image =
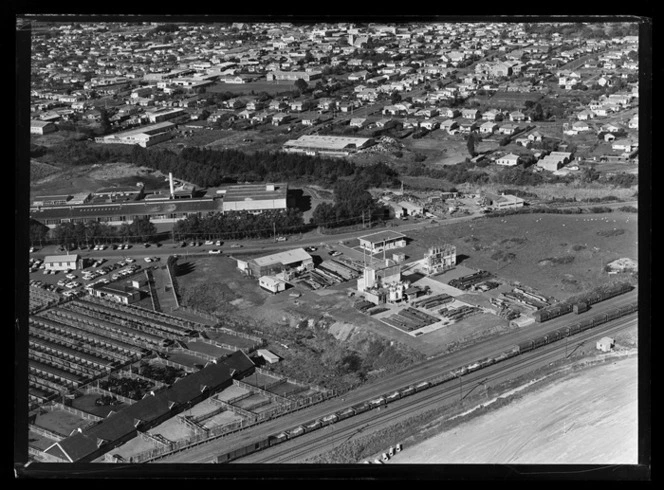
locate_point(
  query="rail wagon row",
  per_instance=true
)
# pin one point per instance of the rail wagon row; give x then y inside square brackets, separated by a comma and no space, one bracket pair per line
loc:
[384,400]
[590,299]
[466,282]
[434,301]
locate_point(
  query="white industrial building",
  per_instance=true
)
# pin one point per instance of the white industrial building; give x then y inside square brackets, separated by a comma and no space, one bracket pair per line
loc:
[272,284]
[327,145]
[60,262]
[144,136]
[255,197]
[382,240]
[273,264]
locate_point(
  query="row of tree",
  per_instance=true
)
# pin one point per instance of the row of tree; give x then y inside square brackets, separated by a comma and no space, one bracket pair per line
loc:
[353,204]
[238,225]
[87,234]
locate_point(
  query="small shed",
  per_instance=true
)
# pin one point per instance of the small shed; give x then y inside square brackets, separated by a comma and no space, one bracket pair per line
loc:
[605,344]
[269,356]
[272,284]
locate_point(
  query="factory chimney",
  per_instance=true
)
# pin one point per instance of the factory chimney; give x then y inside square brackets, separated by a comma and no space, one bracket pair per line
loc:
[170,181]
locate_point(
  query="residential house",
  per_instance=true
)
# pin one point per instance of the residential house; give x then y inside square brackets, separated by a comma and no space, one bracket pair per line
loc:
[509,160]
[470,113]
[585,114]
[358,122]
[509,128]
[448,112]
[281,118]
[491,115]
[488,127]
[277,105]
[384,122]
[580,126]
[430,124]
[410,122]
[517,116]
[634,122]
[449,125]
[262,117]
[246,114]
[299,105]
[327,103]
[535,136]
[360,75]
[466,126]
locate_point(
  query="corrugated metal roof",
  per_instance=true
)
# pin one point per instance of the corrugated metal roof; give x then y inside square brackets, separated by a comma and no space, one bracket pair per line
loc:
[60,258]
[288,257]
[386,235]
[118,425]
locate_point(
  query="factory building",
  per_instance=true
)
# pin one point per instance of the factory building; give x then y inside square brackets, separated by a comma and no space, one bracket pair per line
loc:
[327,145]
[439,259]
[255,197]
[383,240]
[270,265]
[381,282]
[503,201]
[144,136]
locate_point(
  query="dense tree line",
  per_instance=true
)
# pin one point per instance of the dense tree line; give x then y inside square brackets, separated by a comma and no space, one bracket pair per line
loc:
[353,204]
[208,168]
[237,225]
[92,233]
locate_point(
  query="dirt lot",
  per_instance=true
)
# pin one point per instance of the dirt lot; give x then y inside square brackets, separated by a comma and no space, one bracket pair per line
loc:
[89,178]
[588,417]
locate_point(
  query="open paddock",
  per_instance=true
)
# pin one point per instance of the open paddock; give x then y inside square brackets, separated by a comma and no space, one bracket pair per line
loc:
[173,430]
[59,421]
[86,403]
[222,418]
[208,349]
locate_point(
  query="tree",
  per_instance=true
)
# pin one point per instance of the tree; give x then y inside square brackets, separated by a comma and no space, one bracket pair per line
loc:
[301,85]
[470,143]
[143,229]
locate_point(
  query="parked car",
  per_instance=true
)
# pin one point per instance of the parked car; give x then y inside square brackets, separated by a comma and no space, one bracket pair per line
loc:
[209,242]
[214,251]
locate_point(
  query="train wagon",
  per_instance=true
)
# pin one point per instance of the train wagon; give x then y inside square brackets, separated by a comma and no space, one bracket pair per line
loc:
[361,408]
[377,402]
[422,386]
[297,431]
[329,419]
[408,391]
[316,424]
[344,414]
[392,397]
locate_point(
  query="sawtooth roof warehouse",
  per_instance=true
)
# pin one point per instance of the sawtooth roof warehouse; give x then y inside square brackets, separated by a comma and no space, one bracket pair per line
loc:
[246,197]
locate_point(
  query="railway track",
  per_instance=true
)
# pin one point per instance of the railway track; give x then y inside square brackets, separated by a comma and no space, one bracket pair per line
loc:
[302,448]
[430,368]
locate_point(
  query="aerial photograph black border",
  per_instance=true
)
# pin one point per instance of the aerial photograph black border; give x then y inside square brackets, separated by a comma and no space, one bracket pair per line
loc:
[24,13]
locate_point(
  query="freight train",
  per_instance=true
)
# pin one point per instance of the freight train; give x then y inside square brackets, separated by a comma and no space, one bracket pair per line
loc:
[580,307]
[388,398]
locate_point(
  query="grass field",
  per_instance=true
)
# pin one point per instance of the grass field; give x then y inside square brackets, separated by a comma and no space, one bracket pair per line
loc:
[257,87]
[516,248]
